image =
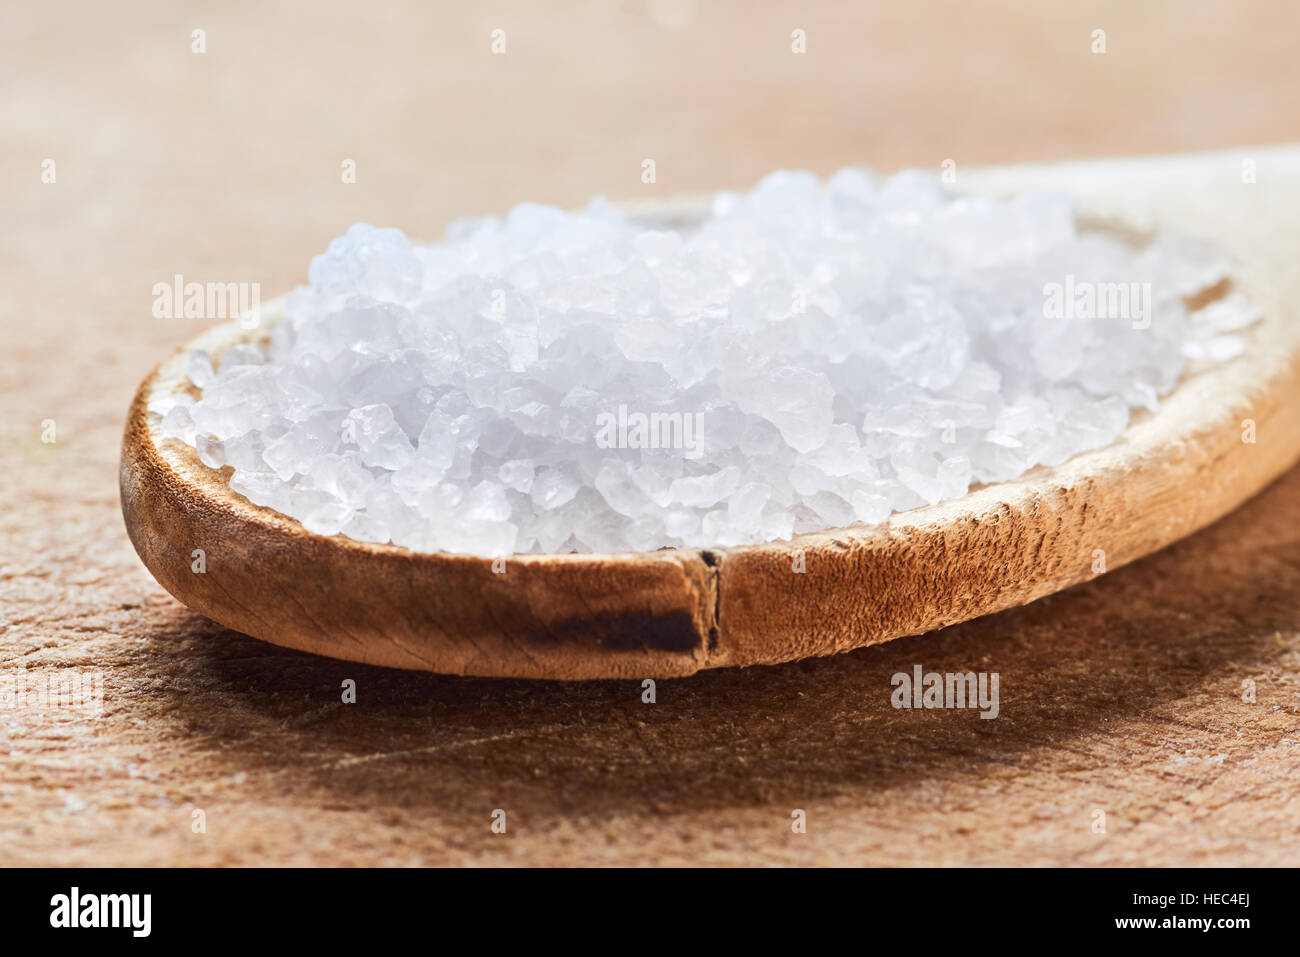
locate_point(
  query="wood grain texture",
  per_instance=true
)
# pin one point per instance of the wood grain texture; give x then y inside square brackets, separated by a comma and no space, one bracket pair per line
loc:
[670,612]
[1123,694]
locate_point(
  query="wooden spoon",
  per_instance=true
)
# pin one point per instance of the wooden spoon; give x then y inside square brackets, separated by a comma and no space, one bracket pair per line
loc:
[674,612]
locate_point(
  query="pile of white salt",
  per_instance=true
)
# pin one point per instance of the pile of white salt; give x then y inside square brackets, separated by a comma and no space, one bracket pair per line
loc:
[807,356]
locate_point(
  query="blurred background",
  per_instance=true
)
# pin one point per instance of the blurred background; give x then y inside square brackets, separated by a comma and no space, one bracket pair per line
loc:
[227,162]
[228,165]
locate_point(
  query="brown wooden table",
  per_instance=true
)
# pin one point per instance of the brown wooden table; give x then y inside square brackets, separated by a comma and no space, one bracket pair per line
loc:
[1123,696]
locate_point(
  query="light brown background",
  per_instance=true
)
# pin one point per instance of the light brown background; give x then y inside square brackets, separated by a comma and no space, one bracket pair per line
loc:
[1123,695]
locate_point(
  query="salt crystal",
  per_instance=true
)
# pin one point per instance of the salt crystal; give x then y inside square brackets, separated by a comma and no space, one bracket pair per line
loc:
[554,487]
[211,452]
[165,403]
[703,491]
[379,438]
[179,424]
[327,518]
[293,453]
[198,368]
[486,502]
[244,354]
[517,474]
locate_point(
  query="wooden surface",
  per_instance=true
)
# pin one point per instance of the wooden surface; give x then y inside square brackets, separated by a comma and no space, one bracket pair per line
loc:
[1124,695]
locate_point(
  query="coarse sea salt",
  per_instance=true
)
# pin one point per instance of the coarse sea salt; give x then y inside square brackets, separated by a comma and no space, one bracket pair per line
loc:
[806,356]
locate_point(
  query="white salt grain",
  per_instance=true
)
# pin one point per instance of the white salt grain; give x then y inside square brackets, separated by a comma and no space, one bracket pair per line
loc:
[808,356]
